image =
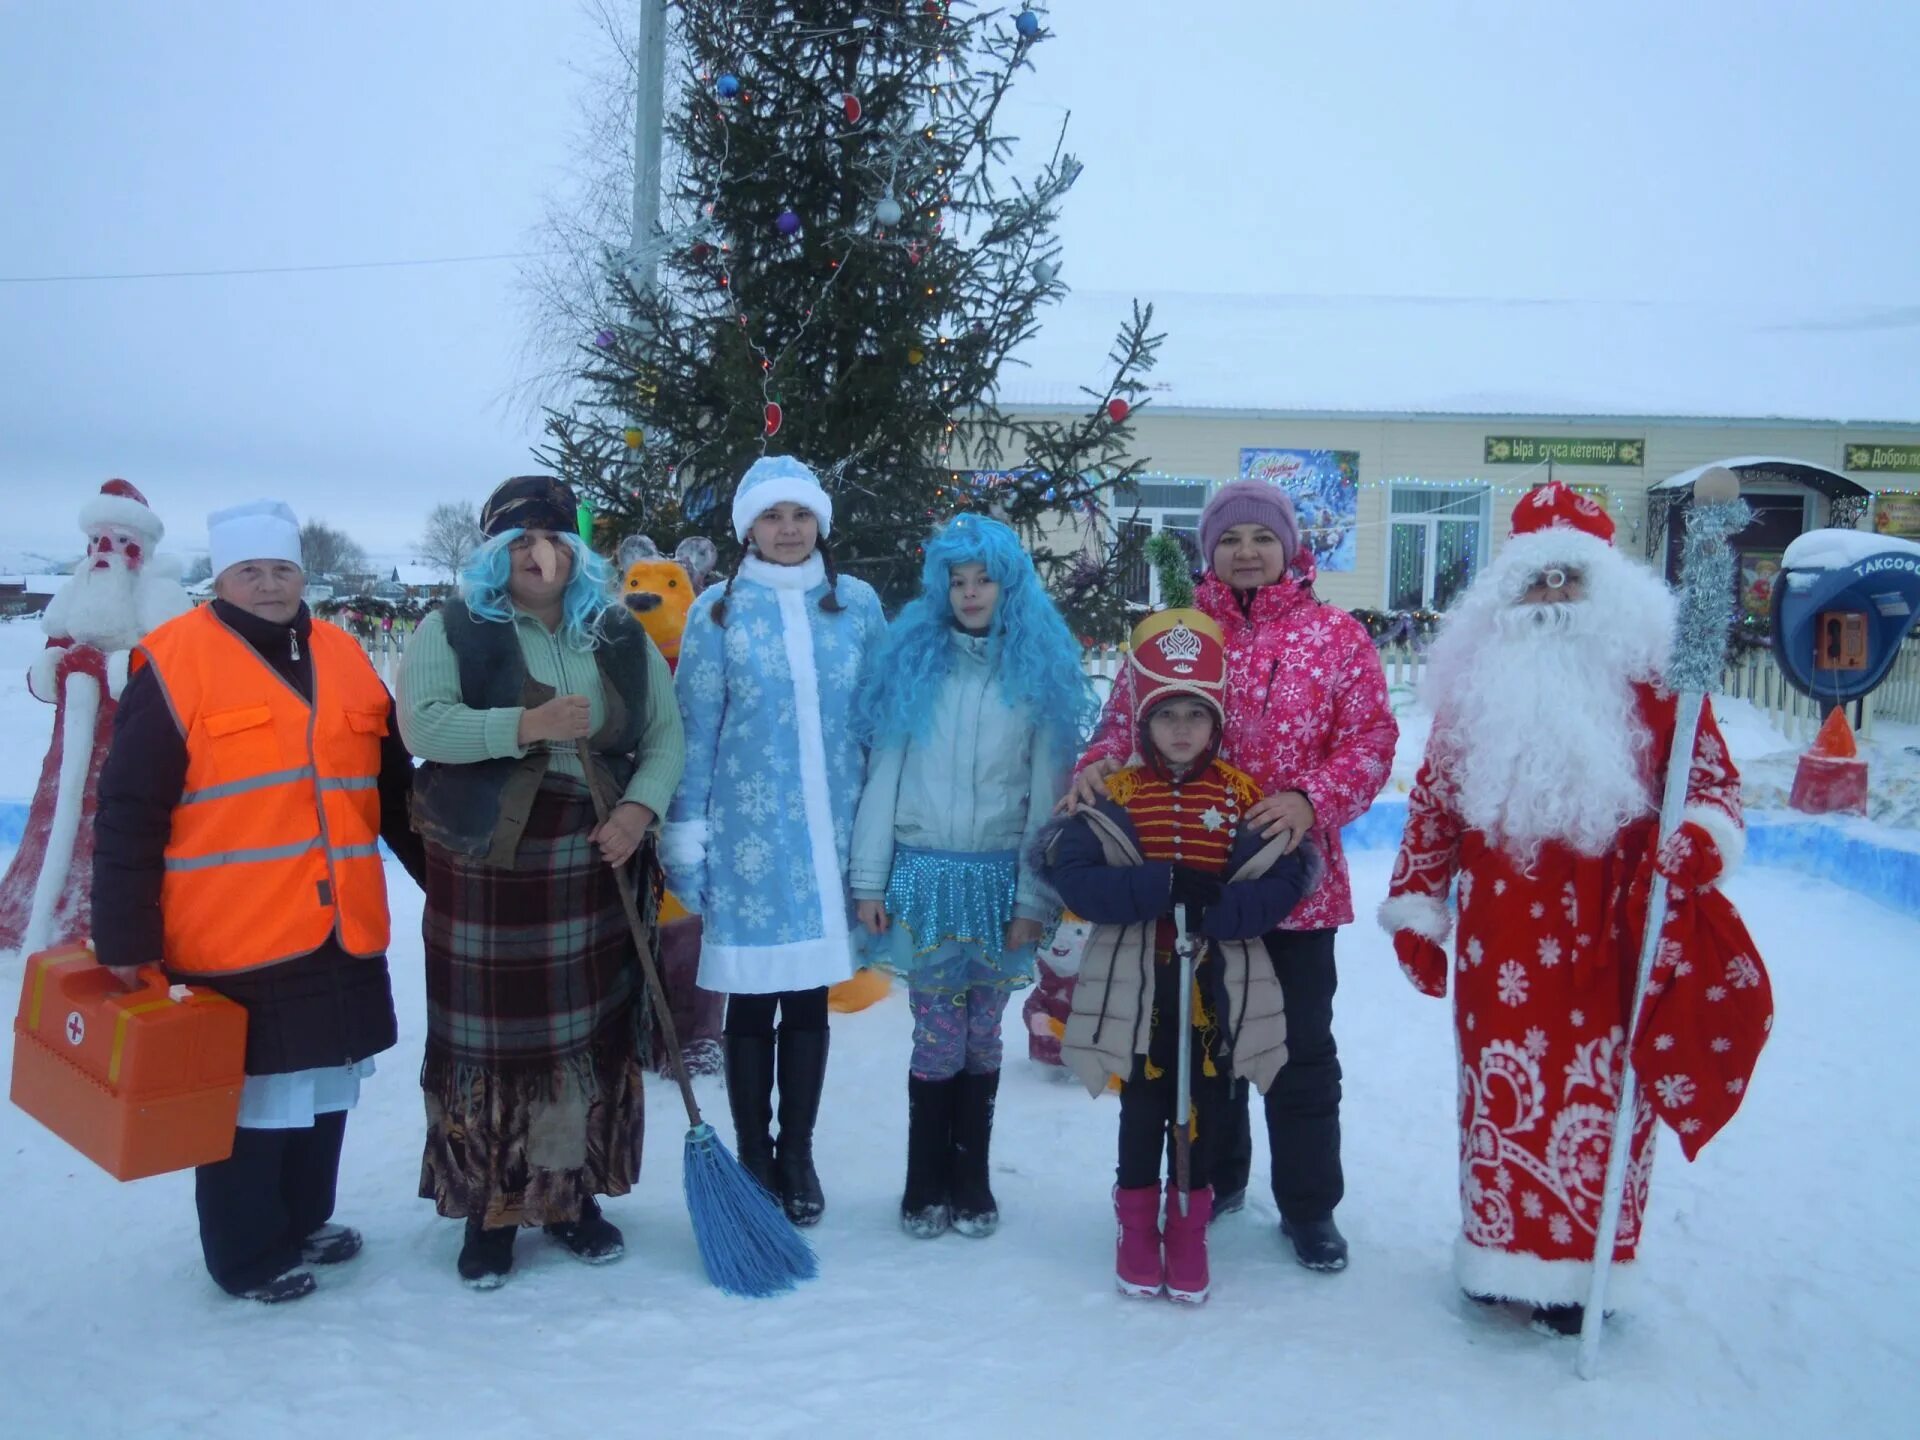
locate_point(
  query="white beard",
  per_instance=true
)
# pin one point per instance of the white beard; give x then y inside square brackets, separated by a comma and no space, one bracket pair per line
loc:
[113,608]
[1545,732]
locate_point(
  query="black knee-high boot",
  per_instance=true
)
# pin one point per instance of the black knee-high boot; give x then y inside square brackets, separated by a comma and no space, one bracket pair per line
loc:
[975,1212]
[801,1061]
[750,1097]
[923,1207]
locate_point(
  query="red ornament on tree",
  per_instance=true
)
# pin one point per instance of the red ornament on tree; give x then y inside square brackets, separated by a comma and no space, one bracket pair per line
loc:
[774,417]
[1118,410]
[852,106]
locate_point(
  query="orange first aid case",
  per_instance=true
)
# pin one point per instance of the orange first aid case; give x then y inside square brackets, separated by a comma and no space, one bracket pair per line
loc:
[139,1081]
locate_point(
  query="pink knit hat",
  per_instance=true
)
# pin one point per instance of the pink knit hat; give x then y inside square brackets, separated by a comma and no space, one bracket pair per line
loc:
[1249,502]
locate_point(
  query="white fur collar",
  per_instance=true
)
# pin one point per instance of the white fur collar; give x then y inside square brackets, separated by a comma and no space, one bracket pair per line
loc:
[808,573]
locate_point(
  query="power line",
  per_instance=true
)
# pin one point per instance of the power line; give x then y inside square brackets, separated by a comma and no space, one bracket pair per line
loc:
[275,269]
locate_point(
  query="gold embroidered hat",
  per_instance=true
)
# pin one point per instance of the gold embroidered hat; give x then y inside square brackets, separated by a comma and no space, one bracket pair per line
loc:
[1178,653]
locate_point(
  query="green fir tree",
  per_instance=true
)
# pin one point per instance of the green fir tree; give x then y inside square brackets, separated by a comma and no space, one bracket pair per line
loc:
[845,264]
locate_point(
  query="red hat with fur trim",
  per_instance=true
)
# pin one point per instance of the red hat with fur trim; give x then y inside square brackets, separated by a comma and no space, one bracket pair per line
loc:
[1554,505]
[120,506]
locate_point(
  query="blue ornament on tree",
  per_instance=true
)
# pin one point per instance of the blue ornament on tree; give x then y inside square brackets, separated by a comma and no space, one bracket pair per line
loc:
[787,223]
[728,87]
[1027,23]
[604,339]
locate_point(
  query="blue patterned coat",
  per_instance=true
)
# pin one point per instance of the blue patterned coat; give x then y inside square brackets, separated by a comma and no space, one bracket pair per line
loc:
[758,835]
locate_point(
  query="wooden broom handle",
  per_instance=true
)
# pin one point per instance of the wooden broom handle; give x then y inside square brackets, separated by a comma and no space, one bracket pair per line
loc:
[623,881]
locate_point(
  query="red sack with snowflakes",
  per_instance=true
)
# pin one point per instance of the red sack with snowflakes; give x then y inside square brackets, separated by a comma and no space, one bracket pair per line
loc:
[1708,1012]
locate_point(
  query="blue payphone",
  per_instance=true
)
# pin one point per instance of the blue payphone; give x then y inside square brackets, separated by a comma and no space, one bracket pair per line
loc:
[1842,603]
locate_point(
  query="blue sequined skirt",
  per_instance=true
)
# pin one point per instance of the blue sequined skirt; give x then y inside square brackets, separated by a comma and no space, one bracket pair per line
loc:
[942,899]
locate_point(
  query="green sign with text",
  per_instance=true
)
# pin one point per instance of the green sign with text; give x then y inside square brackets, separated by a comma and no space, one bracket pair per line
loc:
[1903,458]
[1538,449]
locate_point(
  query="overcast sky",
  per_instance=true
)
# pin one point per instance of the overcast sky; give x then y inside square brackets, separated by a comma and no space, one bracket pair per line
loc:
[1759,153]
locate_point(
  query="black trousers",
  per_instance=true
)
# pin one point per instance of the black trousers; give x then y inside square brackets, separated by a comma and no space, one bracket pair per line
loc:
[258,1204]
[1146,1124]
[798,1010]
[1303,1107]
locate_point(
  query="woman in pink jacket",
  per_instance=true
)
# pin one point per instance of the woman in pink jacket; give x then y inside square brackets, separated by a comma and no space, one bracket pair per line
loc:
[1308,719]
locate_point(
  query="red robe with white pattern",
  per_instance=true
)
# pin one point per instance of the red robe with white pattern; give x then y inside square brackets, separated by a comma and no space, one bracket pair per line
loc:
[1543,978]
[1307,710]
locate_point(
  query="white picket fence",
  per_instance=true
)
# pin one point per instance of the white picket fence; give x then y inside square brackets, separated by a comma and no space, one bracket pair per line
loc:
[1755,677]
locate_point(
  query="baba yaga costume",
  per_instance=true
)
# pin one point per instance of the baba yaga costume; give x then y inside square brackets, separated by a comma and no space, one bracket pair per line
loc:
[973,735]
[1537,808]
[1164,837]
[758,837]
[532,1074]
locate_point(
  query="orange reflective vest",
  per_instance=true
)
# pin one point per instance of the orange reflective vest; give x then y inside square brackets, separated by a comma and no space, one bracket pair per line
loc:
[275,839]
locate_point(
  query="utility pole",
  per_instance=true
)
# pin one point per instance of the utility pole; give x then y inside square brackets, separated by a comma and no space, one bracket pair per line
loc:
[649,112]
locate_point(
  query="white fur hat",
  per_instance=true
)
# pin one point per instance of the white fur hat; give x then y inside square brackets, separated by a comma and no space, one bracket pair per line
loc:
[257,530]
[773,480]
[119,506]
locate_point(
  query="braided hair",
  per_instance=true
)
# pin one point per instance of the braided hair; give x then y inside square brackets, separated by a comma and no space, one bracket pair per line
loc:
[830,602]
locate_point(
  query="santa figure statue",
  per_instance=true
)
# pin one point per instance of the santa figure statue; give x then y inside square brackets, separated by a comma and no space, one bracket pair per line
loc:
[1537,806]
[115,595]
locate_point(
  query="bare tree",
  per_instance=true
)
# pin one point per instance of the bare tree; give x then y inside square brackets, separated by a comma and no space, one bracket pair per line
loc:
[327,551]
[197,569]
[452,535]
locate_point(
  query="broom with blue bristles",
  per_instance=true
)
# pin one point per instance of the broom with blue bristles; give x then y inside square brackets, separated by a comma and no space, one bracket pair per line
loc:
[747,1244]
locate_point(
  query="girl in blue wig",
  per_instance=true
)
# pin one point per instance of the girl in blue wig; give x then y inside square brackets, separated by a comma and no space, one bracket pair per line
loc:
[975,710]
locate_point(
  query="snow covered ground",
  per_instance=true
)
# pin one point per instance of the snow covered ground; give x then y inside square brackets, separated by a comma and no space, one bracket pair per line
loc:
[1779,1295]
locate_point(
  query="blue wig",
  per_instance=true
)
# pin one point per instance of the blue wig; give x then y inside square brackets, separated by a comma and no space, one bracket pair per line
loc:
[584,603]
[1036,657]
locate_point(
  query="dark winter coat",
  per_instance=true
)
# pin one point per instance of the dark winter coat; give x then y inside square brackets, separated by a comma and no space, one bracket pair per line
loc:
[323,1008]
[479,809]
[1093,861]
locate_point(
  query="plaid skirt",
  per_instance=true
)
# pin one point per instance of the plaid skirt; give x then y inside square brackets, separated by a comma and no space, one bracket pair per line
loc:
[532,1075]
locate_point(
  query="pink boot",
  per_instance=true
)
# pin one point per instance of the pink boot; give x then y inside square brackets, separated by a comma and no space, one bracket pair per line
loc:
[1187,1277]
[1136,1260]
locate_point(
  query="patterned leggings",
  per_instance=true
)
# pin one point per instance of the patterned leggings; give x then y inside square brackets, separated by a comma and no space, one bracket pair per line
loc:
[952,1033]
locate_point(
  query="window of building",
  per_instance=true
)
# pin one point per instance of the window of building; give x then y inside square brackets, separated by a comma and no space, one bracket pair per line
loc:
[1169,504]
[1436,543]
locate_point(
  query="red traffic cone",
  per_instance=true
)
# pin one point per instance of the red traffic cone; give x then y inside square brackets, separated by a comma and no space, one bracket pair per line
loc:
[1831,778]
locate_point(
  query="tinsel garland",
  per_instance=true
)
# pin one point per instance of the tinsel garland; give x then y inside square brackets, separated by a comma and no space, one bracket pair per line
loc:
[1706,596]
[1169,561]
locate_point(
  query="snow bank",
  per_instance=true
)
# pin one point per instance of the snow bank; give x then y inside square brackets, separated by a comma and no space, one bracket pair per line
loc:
[1742,1329]
[1837,549]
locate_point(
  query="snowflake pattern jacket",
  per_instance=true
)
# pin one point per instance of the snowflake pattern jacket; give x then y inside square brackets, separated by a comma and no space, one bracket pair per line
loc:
[1306,710]
[757,839]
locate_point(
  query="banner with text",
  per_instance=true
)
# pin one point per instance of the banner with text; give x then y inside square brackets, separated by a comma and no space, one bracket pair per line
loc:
[1538,449]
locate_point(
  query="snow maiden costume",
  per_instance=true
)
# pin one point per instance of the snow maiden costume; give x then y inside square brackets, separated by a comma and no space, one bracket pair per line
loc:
[973,735]
[1162,838]
[1539,796]
[758,836]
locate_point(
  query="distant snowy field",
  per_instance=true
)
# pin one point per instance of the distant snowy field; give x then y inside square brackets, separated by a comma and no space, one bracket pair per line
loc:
[1779,1296]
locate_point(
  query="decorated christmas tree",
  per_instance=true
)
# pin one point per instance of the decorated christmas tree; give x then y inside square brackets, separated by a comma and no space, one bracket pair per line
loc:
[845,262]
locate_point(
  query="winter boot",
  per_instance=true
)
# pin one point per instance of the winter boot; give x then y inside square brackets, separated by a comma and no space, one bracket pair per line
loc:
[290,1284]
[749,1064]
[1317,1244]
[1559,1320]
[923,1208]
[1188,1278]
[974,1210]
[486,1256]
[330,1245]
[802,1066]
[592,1238]
[1136,1262]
